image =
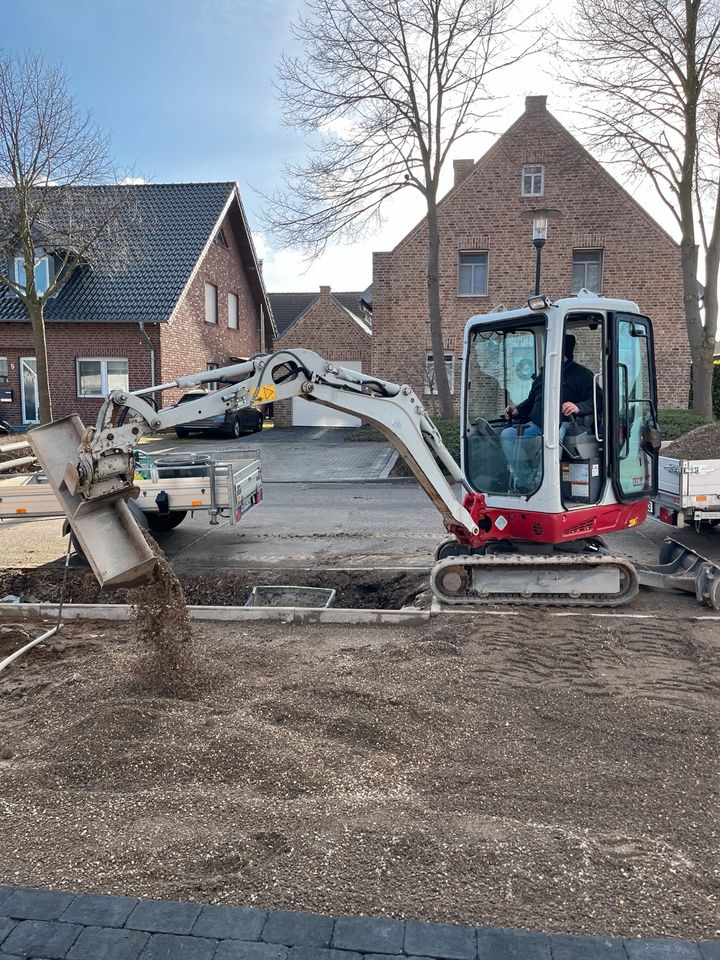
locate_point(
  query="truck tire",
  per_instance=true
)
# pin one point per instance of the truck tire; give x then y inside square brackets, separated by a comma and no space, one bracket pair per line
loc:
[162,522]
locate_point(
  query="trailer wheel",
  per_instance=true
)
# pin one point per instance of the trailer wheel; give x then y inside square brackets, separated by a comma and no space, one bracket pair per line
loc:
[161,522]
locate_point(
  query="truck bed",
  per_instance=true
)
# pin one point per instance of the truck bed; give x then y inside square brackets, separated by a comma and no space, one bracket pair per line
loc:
[688,488]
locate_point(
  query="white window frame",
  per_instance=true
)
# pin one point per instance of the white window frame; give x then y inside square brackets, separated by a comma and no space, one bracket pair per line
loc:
[233,298]
[103,361]
[532,170]
[430,388]
[579,251]
[4,377]
[40,261]
[208,288]
[473,253]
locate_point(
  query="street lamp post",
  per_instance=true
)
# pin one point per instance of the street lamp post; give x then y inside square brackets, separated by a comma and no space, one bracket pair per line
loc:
[539,234]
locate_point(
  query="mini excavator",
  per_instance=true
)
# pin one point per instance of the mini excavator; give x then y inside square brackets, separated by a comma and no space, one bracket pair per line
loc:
[538,498]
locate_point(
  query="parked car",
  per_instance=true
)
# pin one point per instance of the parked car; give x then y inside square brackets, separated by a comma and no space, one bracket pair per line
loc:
[231,423]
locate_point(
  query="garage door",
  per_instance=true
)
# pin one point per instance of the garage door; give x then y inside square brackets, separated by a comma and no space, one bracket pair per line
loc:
[307,414]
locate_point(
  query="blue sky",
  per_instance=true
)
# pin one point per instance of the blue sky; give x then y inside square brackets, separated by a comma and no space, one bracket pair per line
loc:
[184,87]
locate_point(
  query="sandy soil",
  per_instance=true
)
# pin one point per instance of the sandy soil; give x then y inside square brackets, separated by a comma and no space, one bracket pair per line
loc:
[551,773]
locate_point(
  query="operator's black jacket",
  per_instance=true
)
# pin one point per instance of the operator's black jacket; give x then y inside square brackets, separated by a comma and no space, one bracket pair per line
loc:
[577,386]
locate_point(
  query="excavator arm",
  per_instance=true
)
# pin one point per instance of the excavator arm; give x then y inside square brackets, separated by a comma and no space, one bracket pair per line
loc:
[91,469]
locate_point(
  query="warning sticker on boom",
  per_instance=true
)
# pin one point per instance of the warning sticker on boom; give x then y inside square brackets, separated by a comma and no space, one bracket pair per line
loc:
[264,394]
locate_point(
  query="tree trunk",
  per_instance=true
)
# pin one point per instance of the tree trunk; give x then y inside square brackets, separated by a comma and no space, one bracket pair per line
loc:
[433,299]
[37,320]
[701,355]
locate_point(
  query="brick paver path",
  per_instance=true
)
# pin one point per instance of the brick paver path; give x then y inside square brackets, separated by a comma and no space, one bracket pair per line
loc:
[54,925]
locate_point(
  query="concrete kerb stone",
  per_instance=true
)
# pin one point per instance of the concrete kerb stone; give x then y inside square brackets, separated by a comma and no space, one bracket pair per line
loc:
[299,615]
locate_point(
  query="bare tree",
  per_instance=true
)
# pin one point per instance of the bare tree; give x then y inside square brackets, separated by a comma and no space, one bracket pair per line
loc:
[51,221]
[390,86]
[648,74]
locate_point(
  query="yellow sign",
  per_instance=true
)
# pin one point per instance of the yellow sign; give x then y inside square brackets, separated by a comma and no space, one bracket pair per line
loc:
[264,395]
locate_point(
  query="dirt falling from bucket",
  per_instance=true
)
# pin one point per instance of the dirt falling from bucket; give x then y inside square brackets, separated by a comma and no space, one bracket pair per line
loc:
[164,629]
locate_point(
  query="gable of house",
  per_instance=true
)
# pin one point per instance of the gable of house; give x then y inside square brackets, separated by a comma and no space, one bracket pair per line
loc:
[483,219]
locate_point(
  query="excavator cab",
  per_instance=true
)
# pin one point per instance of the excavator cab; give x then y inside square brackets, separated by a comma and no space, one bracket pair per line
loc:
[560,416]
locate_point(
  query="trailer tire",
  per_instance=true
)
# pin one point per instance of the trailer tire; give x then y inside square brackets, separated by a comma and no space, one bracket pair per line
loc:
[162,522]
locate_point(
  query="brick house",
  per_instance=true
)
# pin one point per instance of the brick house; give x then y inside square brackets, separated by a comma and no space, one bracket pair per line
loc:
[335,325]
[193,298]
[603,240]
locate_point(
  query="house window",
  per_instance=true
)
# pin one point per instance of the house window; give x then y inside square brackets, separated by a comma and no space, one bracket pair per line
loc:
[533,180]
[42,274]
[3,370]
[587,270]
[473,275]
[232,311]
[212,384]
[220,238]
[211,303]
[98,377]
[430,384]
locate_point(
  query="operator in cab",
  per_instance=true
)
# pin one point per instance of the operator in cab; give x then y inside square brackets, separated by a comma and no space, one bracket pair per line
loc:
[576,399]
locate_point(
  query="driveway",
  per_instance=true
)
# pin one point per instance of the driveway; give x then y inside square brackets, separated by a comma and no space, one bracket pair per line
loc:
[293,454]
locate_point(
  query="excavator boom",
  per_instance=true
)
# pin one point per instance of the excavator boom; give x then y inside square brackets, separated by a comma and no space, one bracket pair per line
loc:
[91,469]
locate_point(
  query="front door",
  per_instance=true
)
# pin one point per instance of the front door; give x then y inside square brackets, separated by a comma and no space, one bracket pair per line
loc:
[29,390]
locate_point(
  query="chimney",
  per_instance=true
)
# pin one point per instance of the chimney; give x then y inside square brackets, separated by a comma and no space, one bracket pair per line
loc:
[461,168]
[535,104]
[324,291]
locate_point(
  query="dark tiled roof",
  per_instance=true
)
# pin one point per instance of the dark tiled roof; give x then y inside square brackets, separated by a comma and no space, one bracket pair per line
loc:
[173,227]
[287,307]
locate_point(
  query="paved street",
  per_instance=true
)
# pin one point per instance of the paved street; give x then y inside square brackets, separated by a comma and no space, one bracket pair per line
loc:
[53,925]
[292,454]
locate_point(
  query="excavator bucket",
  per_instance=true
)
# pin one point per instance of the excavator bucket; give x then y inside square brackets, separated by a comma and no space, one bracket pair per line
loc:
[111,540]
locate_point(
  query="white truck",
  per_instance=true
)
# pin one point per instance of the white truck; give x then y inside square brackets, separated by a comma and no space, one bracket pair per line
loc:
[170,486]
[688,492]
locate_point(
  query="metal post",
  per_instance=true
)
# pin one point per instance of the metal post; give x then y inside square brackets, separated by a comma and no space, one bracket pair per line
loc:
[539,244]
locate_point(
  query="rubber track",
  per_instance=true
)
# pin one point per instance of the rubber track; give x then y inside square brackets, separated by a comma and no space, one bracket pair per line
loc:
[465,566]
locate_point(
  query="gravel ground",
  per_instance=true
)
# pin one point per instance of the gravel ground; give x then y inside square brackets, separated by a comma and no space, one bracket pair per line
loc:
[703,443]
[549,773]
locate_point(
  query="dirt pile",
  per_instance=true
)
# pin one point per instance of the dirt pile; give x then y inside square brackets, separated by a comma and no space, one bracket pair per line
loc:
[163,627]
[702,443]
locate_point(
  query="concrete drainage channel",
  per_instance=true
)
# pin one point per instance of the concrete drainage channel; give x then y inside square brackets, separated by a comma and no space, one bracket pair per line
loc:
[336,595]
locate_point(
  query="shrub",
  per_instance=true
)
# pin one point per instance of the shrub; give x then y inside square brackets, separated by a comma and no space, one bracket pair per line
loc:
[675,423]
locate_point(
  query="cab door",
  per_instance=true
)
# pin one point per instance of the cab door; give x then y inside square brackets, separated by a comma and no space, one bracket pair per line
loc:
[634,439]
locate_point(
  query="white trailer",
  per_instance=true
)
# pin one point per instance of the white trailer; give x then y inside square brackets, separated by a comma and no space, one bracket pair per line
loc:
[688,492]
[170,487]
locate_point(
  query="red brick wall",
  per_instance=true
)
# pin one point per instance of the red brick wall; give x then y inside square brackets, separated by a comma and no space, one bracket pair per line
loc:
[326,328]
[641,262]
[188,343]
[66,342]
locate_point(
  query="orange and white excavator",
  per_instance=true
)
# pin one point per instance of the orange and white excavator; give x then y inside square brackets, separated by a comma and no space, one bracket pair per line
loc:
[541,487]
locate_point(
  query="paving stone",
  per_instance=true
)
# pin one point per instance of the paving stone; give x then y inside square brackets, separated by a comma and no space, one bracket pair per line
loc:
[166,946]
[108,943]
[236,923]
[40,938]
[4,894]
[163,916]
[440,940]
[710,949]
[6,925]
[499,944]
[567,947]
[662,949]
[367,934]
[251,950]
[36,904]
[321,953]
[301,929]
[93,910]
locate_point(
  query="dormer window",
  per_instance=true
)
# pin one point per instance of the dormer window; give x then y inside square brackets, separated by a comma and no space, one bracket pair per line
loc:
[533,180]
[42,273]
[221,239]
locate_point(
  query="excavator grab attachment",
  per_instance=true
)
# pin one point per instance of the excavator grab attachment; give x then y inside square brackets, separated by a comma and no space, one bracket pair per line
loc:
[104,528]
